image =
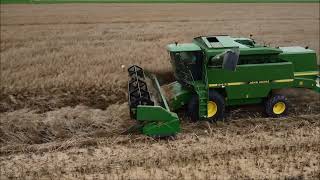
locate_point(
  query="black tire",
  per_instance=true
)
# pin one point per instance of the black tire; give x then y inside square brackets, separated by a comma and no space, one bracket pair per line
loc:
[220,103]
[271,102]
[193,108]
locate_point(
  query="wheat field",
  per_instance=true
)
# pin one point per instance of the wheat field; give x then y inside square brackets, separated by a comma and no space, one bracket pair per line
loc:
[63,101]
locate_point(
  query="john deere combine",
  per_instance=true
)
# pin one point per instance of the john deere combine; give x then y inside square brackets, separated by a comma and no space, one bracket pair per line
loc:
[213,72]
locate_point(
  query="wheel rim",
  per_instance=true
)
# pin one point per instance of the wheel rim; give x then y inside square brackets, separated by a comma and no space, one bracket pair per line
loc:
[212,108]
[279,108]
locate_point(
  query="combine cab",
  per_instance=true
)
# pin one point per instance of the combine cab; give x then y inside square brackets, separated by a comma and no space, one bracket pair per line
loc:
[214,72]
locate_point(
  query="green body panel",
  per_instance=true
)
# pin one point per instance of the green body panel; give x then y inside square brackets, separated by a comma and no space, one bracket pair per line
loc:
[162,129]
[154,113]
[251,81]
[302,59]
[251,72]
[248,91]
[157,121]
[310,82]
[234,102]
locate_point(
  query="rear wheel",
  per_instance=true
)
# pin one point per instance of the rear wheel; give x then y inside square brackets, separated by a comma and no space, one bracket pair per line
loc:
[216,106]
[276,106]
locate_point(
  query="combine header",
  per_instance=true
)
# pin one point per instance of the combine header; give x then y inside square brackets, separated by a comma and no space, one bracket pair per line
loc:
[213,72]
[153,114]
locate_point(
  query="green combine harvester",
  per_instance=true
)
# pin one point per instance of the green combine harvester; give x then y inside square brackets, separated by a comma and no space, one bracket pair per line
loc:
[213,72]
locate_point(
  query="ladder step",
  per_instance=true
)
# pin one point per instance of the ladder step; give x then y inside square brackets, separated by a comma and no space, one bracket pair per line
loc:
[203,98]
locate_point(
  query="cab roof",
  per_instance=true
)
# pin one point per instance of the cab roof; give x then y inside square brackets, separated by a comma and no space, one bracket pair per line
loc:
[219,41]
[183,47]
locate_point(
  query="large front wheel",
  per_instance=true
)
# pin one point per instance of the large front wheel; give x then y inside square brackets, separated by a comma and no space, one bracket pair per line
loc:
[216,106]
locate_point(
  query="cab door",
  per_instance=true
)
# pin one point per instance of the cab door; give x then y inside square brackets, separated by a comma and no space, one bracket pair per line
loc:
[194,61]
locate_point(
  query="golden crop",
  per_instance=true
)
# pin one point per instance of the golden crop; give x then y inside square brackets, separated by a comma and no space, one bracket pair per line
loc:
[64,86]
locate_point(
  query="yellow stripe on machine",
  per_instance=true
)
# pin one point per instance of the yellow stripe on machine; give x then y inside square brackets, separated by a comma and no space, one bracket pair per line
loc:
[227,84]
[214,85]
[306,73]
[283,80]
[252,82]
[235,83]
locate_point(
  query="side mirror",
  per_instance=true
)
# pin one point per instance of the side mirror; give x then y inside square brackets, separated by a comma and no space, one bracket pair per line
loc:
[230,59]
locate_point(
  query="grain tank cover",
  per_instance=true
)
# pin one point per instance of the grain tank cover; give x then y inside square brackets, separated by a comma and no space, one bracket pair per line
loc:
[221,41]
[296,49]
